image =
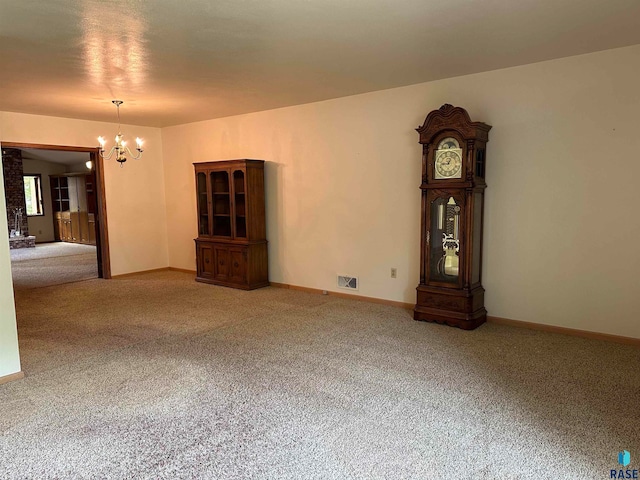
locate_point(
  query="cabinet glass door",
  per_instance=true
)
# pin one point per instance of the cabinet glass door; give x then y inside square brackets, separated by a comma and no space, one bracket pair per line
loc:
[444,240]
[60,194]
[221,197]
[240,204]
[203,204]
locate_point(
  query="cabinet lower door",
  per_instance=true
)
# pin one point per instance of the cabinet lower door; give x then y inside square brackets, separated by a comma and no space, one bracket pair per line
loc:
[221,255]
[66,230]
[237,267]
[83,227]
[92,229]
[232,265]
[57,229]
[205,261]
[75,227]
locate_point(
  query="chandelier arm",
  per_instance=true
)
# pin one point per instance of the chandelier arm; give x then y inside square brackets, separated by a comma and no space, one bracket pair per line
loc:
[112,150]
[135,156]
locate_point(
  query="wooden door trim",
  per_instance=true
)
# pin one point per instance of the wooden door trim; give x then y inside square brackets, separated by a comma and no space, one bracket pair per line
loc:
[39,146]
[102,235]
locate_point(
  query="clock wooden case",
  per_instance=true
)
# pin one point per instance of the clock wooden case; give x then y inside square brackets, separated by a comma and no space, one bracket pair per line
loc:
[231,248]
[453,184]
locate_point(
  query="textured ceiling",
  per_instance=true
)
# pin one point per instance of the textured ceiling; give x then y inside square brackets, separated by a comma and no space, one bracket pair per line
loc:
[55,156]
[176,62]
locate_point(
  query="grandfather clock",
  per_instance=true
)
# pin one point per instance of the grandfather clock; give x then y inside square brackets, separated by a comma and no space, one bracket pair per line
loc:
[453,169]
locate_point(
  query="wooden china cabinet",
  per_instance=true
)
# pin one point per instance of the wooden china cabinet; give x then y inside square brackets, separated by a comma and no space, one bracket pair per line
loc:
[74,207]
[231,248]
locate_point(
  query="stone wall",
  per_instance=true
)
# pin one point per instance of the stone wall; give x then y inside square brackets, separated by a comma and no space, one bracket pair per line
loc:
[14,188]
[22,242]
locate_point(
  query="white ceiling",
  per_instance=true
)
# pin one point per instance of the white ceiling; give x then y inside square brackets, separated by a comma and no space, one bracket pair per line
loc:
[55,156]
[176,62]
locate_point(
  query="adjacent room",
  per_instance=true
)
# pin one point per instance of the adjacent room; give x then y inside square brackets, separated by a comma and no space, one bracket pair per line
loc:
[319,239]
[51,205]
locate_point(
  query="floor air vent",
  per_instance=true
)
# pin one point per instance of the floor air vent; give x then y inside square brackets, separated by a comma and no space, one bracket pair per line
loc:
[347,282]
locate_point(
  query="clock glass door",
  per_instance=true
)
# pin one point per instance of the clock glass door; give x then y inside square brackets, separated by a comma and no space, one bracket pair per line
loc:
[444,239]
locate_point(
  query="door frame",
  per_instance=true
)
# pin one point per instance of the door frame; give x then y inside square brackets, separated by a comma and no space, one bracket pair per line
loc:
[102,234]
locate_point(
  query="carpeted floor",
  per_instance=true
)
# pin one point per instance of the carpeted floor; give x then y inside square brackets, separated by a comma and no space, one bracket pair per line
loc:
[157,376]
[50,250]
[52,264]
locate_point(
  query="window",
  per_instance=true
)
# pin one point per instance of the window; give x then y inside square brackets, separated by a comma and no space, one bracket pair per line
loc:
[33,194]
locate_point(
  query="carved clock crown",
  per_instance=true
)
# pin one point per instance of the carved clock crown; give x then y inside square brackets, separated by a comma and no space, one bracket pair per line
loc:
[455,118]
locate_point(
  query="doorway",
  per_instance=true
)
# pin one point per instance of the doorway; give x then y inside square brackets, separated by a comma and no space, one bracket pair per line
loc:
[63,210]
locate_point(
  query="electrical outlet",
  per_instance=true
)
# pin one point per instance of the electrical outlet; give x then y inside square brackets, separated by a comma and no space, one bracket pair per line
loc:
[394,273]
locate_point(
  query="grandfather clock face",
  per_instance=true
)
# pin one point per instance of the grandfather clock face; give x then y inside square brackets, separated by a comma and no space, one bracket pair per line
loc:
[447,159]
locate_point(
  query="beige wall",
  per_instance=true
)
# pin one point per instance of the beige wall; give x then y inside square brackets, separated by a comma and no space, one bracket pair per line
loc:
[42,226]
[561,242]
[561,238]
[134,193]
[9,356]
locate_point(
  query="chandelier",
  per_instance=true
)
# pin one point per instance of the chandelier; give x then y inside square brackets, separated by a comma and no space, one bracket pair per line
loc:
[120,149]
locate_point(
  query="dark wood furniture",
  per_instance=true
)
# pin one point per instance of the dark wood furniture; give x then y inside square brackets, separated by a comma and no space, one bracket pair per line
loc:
[73,200]
[231,248]
[453,184]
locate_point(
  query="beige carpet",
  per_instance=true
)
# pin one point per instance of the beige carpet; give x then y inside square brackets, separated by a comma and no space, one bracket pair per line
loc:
[52,264]
[49,250]
[157,376]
